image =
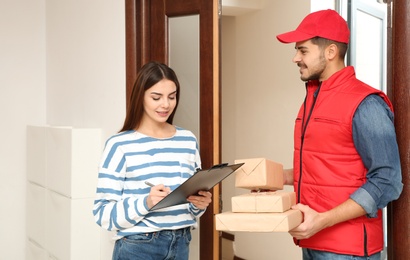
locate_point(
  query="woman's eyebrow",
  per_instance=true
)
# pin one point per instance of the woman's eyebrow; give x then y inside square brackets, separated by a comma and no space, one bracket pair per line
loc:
[160,94]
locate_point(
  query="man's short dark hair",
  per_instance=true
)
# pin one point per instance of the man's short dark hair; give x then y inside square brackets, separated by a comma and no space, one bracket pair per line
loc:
[323,43]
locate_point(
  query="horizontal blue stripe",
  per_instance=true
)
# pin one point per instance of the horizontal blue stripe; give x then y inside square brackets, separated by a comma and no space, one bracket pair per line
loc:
[154,175]
[142,191]
[109,191]
[147,165]
[109,176]
[155,151]
[168,213]
[180,223]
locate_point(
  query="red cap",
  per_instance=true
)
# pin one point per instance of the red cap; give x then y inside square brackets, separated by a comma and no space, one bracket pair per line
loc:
[327,24]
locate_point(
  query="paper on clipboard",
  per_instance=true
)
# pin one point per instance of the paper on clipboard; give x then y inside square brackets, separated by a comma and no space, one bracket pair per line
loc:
[202,180]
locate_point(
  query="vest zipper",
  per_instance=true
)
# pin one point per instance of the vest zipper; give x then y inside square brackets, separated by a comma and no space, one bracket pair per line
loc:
[302,138]
[304,126]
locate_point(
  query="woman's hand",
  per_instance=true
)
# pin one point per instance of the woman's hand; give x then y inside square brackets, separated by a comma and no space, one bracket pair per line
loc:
[156,194]
[202,200]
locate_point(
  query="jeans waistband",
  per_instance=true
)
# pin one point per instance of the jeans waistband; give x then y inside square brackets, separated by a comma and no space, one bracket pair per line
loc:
[176,231]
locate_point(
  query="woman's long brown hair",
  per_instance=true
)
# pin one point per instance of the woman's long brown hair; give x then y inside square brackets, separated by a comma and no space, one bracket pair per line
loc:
[149,75]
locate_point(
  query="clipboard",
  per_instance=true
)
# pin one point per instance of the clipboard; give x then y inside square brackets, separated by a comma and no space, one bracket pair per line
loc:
[201,180]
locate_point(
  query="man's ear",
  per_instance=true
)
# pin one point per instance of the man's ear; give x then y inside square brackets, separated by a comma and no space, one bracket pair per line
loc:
[331,51]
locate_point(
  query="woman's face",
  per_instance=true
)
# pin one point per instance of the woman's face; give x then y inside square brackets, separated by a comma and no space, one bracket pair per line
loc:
[160,101]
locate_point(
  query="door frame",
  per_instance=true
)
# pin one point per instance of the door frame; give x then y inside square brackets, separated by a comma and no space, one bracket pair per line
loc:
[144,43]
[398,90]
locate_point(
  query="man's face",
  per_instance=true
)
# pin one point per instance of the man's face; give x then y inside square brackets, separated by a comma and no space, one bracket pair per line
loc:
[311,61]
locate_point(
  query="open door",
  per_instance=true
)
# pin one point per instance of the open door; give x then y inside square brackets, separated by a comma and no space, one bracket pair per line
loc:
[148,38]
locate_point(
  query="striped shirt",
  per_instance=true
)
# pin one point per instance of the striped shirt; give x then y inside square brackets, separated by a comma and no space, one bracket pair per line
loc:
[130,158]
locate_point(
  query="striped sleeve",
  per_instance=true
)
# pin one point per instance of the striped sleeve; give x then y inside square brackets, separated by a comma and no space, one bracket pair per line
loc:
[111,211]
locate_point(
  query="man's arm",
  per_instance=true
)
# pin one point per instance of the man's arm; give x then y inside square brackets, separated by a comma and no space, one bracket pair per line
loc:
[288,176]
[375,140]
[314,222]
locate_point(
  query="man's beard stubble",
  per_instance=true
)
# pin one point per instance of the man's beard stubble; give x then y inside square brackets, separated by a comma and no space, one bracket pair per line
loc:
[316,71]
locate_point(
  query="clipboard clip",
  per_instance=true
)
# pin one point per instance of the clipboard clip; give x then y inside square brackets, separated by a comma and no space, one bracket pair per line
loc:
[221,165]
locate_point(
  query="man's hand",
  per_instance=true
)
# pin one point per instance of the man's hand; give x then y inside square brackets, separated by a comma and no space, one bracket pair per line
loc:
[312,223]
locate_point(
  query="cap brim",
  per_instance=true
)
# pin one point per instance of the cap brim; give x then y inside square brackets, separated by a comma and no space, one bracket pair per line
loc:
[293,36]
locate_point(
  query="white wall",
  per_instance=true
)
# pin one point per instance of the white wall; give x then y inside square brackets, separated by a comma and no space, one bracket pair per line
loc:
[86,63]
[62,63]
[261,94]
[22,102]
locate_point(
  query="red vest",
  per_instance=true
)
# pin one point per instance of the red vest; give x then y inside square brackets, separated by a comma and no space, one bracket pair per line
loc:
[327,167]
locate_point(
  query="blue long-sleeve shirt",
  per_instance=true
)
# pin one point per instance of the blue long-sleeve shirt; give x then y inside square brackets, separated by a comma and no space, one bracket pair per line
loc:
[375,140]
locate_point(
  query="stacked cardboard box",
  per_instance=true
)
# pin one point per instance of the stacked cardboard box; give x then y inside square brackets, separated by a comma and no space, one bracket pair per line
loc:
[267,208]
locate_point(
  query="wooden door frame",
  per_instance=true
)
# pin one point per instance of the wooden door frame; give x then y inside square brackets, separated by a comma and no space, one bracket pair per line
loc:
[143,45]
[398,78]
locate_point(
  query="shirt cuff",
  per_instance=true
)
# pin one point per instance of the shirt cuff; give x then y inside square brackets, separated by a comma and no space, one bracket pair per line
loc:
[142,206]
[363,198]
[196,211]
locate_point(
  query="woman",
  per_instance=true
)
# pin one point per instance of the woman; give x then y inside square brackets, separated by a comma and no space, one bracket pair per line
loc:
[149,148]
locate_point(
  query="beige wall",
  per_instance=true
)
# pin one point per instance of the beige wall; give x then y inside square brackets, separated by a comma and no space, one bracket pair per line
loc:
[261,93]
[62,63]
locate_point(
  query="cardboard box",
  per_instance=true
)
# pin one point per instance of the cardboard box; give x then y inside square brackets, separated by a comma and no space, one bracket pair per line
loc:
[279,201]
[259,173]
[258,222]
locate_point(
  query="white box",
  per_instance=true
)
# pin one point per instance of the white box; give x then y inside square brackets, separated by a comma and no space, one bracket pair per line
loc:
[36,154]
[71,231]
[36,214]
[72,161]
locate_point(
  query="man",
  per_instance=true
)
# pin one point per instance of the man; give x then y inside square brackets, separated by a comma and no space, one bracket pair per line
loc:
[346,162]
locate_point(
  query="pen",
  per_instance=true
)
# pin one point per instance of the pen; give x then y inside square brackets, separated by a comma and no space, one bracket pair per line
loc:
[149,184]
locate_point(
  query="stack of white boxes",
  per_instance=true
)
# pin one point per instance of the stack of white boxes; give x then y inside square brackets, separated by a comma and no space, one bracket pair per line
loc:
[267,208]
[62,166]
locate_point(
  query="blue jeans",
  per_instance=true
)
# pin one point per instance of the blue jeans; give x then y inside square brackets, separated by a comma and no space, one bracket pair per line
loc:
[309,254]
[166,244]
